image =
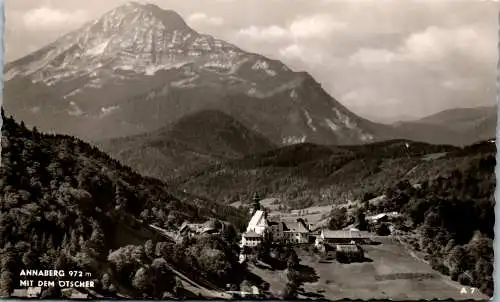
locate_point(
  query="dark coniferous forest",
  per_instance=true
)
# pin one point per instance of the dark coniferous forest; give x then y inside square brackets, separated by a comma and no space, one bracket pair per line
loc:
[452,216]
[66,205]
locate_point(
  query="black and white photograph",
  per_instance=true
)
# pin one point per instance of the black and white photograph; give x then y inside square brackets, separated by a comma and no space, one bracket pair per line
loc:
[248,149]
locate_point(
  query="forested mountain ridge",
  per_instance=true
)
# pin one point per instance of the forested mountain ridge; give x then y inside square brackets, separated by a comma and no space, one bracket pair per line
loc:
[195,141]
[62,200]
[308,174]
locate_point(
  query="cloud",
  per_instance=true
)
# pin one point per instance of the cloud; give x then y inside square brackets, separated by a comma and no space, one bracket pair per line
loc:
[203,19]
[292,51]
[435,44]
[317,26]
[301,53]
[461,84]
[432,45]
[48,18]
[264,33]
[371,56]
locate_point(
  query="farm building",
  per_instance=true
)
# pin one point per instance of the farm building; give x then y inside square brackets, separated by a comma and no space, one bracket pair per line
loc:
[383,217]
[339,237]
[289,231]
[192,229]
[348,252]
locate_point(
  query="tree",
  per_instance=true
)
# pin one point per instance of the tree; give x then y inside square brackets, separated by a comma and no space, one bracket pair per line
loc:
[149,248]
[141,280]
[457,259]
[361,220]
[106,281]
[368,196]
[96,246]
[178,288]
[162,276]
[480,246]
[290,291]
[29,258]
[292,276]
[51,293]
[338,218]
[383,229]
[229,234]
[293,261]
[6,283]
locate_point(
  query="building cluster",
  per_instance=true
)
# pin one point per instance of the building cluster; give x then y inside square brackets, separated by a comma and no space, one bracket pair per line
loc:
[194,229]
[261,228]
[345,243]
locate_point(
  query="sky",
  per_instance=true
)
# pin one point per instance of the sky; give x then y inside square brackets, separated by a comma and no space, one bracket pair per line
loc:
[386,60]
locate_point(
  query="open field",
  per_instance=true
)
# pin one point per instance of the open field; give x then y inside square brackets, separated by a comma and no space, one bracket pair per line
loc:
[392,273]
[276,278]
[312,215]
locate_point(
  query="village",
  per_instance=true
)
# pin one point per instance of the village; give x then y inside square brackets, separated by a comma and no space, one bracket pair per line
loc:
[345,244]
[352,261]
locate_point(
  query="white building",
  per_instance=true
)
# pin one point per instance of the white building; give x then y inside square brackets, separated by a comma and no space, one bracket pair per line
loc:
[382,216]
[256,229]
[251,239]
[258,223]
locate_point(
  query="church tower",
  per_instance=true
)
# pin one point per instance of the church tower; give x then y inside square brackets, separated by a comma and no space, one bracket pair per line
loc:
[255,204]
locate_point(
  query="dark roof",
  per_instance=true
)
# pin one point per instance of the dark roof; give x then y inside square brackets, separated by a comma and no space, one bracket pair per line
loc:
[251,234]
[296,226]
[342,234]
[212,224]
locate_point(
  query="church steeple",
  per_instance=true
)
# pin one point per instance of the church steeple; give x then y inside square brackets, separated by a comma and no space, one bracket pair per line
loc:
[255,203]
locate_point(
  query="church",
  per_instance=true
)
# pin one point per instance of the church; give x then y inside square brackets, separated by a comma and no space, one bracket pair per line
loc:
[259,227]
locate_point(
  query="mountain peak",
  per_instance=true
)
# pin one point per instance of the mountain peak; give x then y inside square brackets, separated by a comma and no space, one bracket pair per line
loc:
[133,36]
[139,12]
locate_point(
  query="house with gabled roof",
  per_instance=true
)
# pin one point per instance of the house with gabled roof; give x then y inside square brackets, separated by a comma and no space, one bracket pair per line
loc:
[251,239]
[339,237]
[296,231]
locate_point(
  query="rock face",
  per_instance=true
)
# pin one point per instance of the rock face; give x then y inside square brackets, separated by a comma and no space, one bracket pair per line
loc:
[139,67]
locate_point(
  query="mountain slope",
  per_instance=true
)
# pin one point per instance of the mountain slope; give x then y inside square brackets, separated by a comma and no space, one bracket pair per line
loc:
[460,126]
[193,142]
[138,67]
[306,174]
[65,204]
